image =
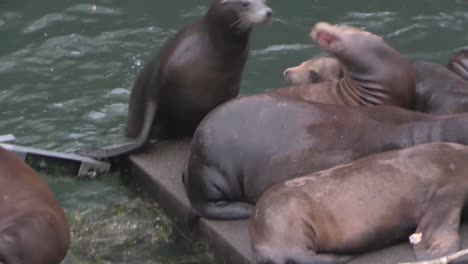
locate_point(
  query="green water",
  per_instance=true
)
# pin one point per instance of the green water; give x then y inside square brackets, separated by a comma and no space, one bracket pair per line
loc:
[66,73]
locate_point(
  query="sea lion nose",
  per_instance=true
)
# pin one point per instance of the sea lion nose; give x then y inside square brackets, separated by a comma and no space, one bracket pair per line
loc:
[286,72]
[269,13]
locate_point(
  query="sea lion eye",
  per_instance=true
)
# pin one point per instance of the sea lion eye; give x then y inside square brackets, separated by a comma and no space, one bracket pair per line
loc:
[245,4]
[313,76]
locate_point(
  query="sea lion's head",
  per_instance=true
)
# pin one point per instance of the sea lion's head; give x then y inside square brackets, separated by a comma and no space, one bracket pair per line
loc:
[315,70]
[352,46]
[245,14]
[459,63]
[335,38]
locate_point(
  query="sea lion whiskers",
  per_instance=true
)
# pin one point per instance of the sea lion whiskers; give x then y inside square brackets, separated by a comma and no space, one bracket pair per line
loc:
[250,18]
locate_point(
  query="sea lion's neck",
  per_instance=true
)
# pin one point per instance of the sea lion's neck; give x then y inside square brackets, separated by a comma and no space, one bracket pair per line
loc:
[356,89]
[222,29]
[381,76]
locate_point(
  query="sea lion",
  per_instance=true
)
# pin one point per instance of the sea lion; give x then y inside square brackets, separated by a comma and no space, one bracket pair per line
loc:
[459,63]
[374,73]
[315,70]
[438,90]
[33,226]
[368,204]
[238,139]
[198,69]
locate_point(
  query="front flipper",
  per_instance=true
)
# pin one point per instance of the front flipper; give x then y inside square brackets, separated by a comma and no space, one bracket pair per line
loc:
[439,228]
[128,147]
[225,210]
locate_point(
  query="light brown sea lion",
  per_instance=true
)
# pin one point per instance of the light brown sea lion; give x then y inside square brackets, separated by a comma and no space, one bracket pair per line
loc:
[198,69]
[438,90]
[370,203]
[315,70]
[373,73]
[33,226]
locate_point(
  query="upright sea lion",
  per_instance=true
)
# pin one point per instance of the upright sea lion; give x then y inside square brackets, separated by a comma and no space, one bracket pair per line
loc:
[438,90]
[198,69]
[33,226]
[459,63]
[374,73]
[237,140]
[368,204]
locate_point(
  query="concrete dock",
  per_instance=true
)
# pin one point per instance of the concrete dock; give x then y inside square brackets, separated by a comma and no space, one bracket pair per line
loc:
[158,172]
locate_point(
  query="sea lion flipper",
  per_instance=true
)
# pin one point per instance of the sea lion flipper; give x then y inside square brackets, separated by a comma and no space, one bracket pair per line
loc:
[228,210]
[438,231]
[110,151]
[128,147]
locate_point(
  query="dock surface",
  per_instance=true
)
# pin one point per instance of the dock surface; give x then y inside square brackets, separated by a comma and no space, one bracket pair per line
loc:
[158,171]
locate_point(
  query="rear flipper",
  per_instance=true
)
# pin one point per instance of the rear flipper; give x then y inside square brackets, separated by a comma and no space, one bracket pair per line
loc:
[225,210]
[125,148]
[439,229]
[111,151]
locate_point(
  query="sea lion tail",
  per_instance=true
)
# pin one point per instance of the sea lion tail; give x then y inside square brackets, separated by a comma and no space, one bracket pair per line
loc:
[128,147]
[111,151]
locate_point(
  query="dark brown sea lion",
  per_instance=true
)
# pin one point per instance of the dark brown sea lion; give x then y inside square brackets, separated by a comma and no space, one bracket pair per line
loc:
[238,139]
[33,226]
[438,90]
[459,63]
[198,69]
[374,73]
[368,204]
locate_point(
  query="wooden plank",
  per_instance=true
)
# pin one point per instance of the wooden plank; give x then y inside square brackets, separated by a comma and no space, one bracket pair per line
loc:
[159,171]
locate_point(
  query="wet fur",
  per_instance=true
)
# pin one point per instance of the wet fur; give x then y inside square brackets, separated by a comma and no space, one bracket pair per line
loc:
[358,207]
[171,95]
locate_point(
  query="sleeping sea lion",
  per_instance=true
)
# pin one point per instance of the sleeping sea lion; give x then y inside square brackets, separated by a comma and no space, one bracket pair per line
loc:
[373,73]
[438,90]
[239,139]
[373,202]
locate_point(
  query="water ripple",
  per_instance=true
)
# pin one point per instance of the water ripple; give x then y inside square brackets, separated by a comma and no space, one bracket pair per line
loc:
[94,9]
[360,15]
[197,11]
[48,20]
[398,32]
[281,48]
